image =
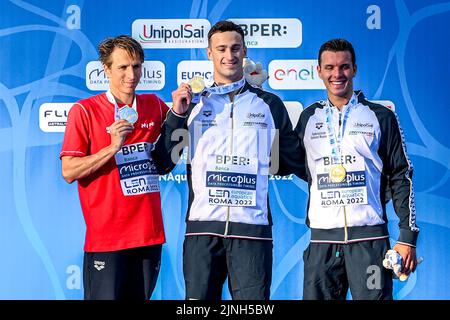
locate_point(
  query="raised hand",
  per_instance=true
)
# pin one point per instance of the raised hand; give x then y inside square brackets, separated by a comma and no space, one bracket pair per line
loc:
[181,98]
[119,131]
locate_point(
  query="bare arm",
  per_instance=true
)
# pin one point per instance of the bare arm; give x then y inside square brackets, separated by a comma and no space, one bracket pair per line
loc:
[74,168]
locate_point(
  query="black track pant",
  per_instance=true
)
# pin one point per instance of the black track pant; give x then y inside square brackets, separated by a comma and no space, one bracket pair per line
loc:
[208,260]
[129,274]
[330,269]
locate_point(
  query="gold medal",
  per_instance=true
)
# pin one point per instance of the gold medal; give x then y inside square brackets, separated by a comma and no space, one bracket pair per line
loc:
[197,84]
[337,173]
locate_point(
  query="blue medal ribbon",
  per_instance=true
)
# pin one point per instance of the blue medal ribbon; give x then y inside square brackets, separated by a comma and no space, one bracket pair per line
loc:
[335,142]
[227,88]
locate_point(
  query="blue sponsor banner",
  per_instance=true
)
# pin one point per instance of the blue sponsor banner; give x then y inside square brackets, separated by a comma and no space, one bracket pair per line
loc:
[136,168]
[216,179]
[352,179]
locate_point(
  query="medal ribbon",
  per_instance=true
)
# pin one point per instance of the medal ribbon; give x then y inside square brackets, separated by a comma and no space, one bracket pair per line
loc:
[226,88]
[335,142]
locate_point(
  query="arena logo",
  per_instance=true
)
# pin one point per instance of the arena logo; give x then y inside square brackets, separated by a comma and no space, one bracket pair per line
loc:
[53,116]
[171,33]
[294,74]
[271,33]
[189,68]
[153,76]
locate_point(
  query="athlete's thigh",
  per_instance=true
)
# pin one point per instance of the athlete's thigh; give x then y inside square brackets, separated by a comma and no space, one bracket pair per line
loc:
[367,277]
[324,272]
[249,268]
[151,264]
[104,275]
[143,266]
[204,267]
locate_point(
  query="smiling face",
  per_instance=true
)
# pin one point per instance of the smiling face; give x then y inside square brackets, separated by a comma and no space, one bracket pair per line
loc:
[227,51]
[337,71]
[124,74]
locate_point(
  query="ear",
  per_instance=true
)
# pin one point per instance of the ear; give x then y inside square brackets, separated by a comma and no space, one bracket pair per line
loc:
[355,69]
[209,53]
[245,51]
[107,70]
[319,71]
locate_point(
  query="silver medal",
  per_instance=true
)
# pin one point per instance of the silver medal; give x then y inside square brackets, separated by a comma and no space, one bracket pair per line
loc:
[128,114]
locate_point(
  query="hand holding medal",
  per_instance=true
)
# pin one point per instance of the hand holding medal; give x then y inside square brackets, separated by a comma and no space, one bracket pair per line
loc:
[192,91]
[127,113]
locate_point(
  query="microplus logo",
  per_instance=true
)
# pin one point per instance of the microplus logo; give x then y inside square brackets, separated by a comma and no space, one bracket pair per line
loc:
[189,68]
[171,33]
[153,76]
[271,33]
[53,116]
[96,78]
[294,74]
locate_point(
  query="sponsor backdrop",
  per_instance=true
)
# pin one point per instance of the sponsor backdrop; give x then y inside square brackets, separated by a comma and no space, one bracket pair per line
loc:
[48,56]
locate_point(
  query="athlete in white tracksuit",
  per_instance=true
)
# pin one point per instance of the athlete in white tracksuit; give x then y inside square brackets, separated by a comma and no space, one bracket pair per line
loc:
[356,162]
[233,128]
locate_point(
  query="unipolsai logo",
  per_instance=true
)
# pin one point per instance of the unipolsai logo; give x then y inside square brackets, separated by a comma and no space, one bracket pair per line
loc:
[171,33]
[294,74]
[271,33]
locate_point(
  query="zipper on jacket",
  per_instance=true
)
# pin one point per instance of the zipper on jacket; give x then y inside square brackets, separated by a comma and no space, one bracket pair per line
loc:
[345,226]
[345,211]
[227,221]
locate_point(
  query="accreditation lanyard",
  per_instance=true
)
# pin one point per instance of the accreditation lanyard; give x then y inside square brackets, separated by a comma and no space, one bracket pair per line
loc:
[226,88]
[335,142]
[111,99]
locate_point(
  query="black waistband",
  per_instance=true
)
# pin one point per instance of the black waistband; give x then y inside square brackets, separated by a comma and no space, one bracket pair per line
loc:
[355,234]
[235,229]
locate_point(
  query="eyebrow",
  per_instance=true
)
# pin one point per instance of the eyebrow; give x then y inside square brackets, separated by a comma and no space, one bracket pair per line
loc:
[126,65]
[222,46]
[340,65]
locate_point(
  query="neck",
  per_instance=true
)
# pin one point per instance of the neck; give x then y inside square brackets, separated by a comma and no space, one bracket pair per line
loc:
[223,81]
[339,102]
[123,98]
[231,94]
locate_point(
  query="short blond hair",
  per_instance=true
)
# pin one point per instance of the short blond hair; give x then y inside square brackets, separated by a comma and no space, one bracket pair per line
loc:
[107,46]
